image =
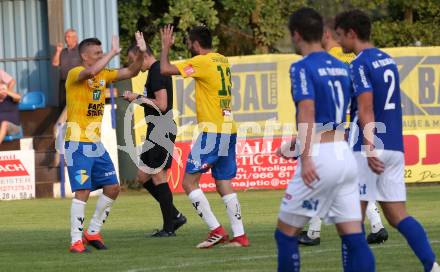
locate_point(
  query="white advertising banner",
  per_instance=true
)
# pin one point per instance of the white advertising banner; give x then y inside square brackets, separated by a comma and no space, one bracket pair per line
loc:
[17,174]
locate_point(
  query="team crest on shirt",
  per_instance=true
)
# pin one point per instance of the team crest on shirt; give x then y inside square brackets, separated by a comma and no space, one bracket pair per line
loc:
[102,83]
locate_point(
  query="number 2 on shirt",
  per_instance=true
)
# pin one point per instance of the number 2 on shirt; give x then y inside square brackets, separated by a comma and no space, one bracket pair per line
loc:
[387,76]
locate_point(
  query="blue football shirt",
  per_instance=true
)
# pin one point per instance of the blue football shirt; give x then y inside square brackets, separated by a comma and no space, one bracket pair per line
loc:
[326,80]
[375,71]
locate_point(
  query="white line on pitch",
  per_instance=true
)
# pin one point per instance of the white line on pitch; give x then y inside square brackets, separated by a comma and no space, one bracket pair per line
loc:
[251,258]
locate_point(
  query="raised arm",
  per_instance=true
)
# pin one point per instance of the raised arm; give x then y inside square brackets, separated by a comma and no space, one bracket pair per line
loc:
[93,70]
[56,56]
[166,68]
[135,67]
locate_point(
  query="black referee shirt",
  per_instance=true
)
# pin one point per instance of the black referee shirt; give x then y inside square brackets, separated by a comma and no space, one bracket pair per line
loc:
[156,82]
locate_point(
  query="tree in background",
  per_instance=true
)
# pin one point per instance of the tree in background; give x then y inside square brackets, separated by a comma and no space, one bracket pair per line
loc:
[130,12]
[260,23]
[242,27]
[149,16]
[408,22]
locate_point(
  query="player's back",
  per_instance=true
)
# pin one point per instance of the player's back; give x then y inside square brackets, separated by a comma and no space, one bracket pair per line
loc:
[326,80]
[374,70]
[213,82]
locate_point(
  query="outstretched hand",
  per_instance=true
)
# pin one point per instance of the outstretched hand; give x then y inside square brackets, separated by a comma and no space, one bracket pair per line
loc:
[130,96]
[140,41]
[115,45]
[167,36]
[60,47]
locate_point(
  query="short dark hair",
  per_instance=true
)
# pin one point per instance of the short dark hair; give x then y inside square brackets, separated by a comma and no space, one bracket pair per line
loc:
[308,23]
[135,49]
[356,20]
[86,43]
[202,35]
[329,25]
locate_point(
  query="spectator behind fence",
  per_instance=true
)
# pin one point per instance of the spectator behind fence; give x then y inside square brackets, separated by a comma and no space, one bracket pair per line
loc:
[66,58]
[9,99]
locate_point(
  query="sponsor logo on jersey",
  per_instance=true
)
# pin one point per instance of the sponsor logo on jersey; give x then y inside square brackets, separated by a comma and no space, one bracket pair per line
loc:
[310,204]
[96,95]
[363,189]
[189,70]
[95,109]
[111,173]
[302,78]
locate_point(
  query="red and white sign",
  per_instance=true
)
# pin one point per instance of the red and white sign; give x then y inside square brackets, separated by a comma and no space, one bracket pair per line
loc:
[257,166]
[17,174]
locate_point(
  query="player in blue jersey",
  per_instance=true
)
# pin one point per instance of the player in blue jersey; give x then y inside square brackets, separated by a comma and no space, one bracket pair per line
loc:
[325,183]
[378,144]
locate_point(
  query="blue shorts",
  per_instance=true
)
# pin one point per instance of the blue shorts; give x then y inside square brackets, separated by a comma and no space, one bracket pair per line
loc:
[215,151]
[89,166]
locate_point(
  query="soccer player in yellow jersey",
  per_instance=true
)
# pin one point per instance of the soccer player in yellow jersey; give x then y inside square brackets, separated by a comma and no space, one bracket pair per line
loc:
[88,163]
[378,233]
[215,147]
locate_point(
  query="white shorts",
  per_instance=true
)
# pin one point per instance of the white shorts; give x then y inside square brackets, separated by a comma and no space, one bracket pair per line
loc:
[335,197]
[388,186]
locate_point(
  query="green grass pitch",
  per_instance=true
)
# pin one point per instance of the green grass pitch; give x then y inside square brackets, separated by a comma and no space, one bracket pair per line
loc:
[34,236]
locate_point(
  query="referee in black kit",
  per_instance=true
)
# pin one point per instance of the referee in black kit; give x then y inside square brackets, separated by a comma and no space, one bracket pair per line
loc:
[159,143]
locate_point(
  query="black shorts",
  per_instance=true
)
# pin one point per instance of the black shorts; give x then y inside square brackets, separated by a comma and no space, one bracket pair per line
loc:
[158,156]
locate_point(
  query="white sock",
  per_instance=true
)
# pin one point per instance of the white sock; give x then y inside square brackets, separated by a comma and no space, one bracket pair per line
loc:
[77,219]
[314,228]
[374,217]
[201,204]
[234,213]
[103,207]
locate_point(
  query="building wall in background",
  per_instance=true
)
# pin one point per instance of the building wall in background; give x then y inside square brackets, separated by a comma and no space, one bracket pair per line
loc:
[93,18]
[24,43]
[27,41]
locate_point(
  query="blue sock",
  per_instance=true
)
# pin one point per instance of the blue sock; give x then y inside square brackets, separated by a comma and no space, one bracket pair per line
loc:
[417,239]
[288,252]
[356,255]
[363,228]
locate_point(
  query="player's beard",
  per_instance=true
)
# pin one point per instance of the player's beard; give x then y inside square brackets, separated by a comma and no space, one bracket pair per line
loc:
[193,51]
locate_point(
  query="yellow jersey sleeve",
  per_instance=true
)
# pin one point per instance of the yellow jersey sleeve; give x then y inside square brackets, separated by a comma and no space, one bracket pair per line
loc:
[110,75]
[192,67]
[73,74]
